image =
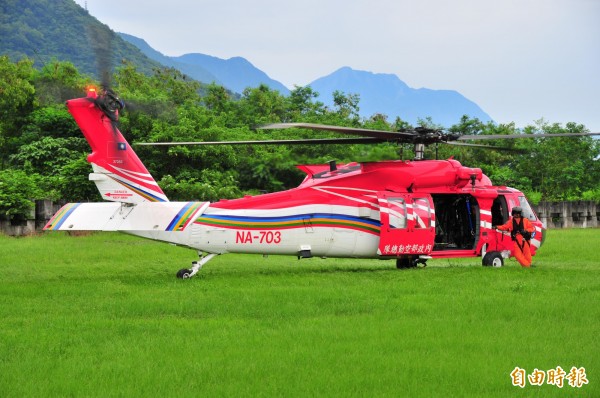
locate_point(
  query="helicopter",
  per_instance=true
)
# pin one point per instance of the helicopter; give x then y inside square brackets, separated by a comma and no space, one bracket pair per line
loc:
[408,211]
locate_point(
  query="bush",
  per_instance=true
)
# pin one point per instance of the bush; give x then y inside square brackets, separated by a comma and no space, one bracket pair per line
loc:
[591,195]
[17,191]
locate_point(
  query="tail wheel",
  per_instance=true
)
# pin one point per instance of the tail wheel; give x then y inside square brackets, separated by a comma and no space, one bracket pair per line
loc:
[493,259]
[184,273]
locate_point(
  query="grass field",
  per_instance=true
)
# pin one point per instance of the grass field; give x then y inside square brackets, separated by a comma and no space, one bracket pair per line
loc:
[104,316]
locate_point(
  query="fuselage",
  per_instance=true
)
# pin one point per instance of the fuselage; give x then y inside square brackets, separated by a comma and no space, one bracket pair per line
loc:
[373,210]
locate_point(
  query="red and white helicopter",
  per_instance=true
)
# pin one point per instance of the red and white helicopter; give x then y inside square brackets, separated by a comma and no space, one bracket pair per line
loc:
[407,211]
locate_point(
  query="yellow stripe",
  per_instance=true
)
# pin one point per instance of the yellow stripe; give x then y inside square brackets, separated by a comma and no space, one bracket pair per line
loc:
[59,216]
[185,216]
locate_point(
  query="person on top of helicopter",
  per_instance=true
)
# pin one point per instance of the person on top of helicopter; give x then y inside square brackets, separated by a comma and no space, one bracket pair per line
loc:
[521,231]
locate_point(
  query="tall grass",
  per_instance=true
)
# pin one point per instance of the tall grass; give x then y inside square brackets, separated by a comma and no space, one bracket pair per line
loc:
[104,315]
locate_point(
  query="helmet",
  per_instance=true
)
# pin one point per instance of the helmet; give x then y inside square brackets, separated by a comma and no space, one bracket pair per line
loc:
[517,210]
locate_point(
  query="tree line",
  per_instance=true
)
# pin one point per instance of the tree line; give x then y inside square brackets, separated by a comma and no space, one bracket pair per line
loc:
[43,154]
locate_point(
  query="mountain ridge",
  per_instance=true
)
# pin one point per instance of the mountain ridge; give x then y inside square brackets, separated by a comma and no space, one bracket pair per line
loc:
[235,73]
[36,29]
[379,93]
[229,70]
[196,72]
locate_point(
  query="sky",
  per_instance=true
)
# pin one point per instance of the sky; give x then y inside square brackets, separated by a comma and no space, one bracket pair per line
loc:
[519,60]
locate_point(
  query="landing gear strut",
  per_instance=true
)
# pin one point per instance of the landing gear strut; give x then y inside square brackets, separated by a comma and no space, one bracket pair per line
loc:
[185,273]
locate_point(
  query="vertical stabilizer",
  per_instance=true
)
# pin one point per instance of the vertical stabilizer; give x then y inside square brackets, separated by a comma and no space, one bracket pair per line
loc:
[118,172]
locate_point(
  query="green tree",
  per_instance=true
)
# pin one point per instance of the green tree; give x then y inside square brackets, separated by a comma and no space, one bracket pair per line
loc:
[347,106]
[166,85]
[206,185]
[260,105]
[303,106]
[18,189]
[16,101]
[53,120]
[61,166]
[59,81]
[176,85]
[561,168]
[48,154]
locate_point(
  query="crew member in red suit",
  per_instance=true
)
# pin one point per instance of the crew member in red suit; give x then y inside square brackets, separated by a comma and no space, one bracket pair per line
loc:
[521,231]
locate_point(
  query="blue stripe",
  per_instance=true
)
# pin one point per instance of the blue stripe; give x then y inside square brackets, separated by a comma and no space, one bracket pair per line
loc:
[178,216]
[292,218]
[64,217]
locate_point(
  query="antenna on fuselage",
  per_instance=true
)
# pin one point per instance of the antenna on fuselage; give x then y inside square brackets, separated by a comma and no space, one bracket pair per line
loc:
[332,165]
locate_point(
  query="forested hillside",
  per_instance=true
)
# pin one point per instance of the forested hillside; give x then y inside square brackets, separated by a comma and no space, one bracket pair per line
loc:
[46,30]
[42,152]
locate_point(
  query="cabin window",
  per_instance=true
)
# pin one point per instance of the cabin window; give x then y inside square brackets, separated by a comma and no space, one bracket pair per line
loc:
[397,212]
[422,213]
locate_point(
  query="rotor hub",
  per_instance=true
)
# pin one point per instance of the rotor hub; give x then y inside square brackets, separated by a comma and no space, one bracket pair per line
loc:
[110,104]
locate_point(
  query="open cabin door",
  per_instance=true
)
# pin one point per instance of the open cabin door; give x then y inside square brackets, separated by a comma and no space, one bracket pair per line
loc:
[407,224]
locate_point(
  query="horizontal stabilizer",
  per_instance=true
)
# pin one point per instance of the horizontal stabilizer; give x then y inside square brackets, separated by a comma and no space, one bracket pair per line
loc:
[115,216]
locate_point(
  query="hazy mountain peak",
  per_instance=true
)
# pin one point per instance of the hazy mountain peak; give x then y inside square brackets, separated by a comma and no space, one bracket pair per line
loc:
[236,73]
[357,78]
[387,94]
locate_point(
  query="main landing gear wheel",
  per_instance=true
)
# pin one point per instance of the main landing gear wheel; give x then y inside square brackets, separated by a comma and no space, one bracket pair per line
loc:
[184,273]
[404,262]
[412,262]
[493,259]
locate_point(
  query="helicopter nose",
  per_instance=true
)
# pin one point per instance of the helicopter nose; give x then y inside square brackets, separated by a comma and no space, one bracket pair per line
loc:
[543,235]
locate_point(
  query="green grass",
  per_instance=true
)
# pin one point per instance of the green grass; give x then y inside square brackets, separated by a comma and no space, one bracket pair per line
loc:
[103,316]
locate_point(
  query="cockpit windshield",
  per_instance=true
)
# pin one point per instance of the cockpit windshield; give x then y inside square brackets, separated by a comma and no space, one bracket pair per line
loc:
[527,210]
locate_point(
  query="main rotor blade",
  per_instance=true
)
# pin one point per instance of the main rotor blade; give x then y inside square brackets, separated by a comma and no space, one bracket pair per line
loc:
[514,136]
[364,140]
[382,134]
[496,148]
